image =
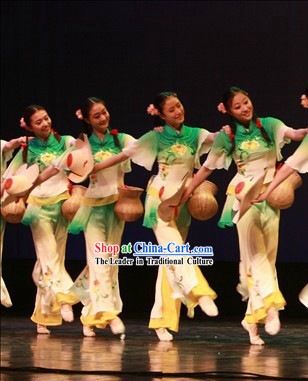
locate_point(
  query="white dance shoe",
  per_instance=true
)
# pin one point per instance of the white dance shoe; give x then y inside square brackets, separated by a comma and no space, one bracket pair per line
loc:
[163,334]
[42,329]
[252,329]
[67,313]
[208,306]
[88,331]
[117,327]
[272,323]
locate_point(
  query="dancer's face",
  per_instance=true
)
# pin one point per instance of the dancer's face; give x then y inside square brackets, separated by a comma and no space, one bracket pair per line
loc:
[304,101]
[99,118]
[241,108]
[40,124]
[173,112]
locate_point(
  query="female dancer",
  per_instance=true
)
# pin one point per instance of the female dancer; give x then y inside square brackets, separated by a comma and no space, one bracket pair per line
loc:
[297,162]
[48,226]
[7,149]
[177,150]
[98,286]
[254,144]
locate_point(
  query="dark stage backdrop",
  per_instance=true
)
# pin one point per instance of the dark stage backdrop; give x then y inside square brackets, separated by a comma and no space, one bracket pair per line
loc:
[57,53]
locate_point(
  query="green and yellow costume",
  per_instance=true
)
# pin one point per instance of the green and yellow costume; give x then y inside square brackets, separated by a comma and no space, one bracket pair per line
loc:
[49,230]
[177,154]
[258,228]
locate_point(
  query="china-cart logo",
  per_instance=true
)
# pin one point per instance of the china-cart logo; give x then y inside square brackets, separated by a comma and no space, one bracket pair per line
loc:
[171,254]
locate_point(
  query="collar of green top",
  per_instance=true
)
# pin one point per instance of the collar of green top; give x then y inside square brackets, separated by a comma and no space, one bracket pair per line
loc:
[106,144]
[187,136]
[252,131]
[36,145]
[95,140]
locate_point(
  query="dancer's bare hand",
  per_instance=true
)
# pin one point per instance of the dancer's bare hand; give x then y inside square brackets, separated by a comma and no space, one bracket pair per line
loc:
[23,140]
[227,129]
[158,129]
[261,198]
[15,143]
[184,198]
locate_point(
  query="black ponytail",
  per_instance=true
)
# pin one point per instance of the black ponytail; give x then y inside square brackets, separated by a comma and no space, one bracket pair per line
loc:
[262,129]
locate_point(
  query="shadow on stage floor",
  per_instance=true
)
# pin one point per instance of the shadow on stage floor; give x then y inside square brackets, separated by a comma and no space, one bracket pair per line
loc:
[202,350]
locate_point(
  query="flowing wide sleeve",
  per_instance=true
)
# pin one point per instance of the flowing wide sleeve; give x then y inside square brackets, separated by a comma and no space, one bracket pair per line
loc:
[125,141]
[203,146]
[276,130]
[5,156]
[16,163]
[144,150]
[299,160]
[69,141]
[220,154]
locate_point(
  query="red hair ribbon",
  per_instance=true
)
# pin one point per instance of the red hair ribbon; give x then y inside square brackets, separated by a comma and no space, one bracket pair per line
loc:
[114,132]
[279,166]
[258,123]
[54,132]
[24,145]
[231,137]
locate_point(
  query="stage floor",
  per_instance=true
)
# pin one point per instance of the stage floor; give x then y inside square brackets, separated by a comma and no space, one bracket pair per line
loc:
[202,350]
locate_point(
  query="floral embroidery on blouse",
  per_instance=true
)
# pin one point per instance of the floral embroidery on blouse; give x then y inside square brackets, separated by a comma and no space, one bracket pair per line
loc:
[164,172]
[246,147]
[251,145]
[46,158]
[241,168]
[102,155]
[176,151]
[179,149]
